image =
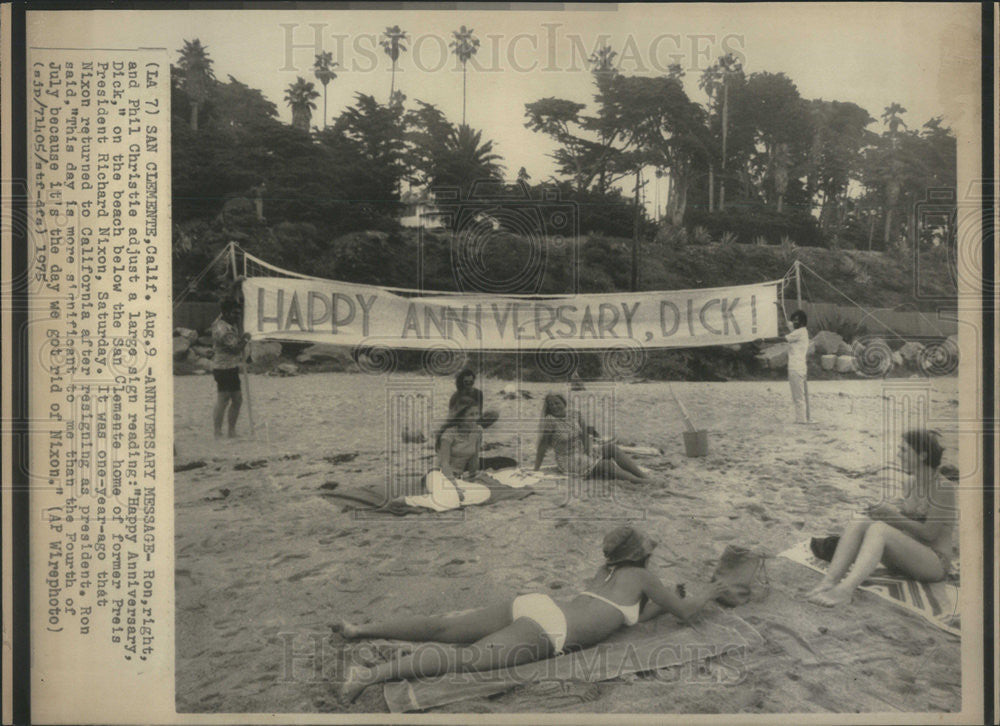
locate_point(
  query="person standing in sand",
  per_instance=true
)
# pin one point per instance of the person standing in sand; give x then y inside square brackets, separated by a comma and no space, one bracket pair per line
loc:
[913,537]
[531,627]
[228,345]
[466,392]
[798,349]
[569,437]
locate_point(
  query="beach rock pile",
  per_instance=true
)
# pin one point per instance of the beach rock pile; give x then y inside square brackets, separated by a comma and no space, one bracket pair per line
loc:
[868,356]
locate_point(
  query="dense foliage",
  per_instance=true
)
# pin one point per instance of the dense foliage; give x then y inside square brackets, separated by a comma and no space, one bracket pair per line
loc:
[753,163]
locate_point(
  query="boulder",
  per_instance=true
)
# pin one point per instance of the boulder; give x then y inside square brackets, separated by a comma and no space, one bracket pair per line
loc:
[262,350]
[845,363]
[774,356]
[911,353]
[897,359]
[203,351]
[181,347]
[826,342]
[288,369]
[872,357]
[205,340]
[190,335]
[332,355]
[828,362]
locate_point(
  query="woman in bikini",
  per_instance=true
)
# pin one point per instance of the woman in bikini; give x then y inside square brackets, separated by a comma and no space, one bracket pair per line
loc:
[457,480]
[913,537]
[532,627]
[569,437]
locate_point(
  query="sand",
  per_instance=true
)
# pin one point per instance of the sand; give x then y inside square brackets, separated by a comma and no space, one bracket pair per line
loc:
[265,562]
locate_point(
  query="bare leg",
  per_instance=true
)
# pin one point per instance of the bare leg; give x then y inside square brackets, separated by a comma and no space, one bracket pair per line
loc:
[219,412]
[234,411]
[613,452]
[843,556]
[885,543]
[520,642]
[460,628]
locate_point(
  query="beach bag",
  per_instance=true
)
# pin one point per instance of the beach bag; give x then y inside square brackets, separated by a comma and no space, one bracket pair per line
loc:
[824,547]
[739,568]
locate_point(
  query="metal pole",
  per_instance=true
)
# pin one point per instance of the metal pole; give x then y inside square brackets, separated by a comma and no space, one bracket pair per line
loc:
[635,237]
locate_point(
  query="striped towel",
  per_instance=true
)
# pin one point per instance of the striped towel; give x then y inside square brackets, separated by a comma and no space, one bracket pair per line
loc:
[936,602]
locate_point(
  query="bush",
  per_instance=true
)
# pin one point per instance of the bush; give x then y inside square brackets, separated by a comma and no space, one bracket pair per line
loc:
[749,223]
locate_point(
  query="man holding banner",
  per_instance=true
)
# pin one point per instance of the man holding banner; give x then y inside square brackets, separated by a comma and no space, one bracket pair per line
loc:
[798,348]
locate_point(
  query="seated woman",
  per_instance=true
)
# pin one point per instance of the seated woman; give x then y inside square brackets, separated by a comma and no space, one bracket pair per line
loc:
[466,391]
[531,627]
[913,538]
[457,444]
[569,438]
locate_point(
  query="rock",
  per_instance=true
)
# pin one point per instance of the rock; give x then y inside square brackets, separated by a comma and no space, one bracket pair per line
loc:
[910,353]
[181,347]
[335,357]
[205,340]
[264,350]
[828,362]
[845,363]
[774,356]
[203,351]
[827,342]
[897,359]
[873,357]
[190,335]
[288,369]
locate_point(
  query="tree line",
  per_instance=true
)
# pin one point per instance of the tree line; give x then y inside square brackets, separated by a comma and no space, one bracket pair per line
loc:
[753,161]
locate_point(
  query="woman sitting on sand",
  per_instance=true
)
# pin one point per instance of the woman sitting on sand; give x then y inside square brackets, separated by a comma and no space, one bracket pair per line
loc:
[532,627]
[569,438]
[457,444]
[913,539]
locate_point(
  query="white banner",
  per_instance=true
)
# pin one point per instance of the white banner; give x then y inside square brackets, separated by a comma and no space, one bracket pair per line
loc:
[320,311]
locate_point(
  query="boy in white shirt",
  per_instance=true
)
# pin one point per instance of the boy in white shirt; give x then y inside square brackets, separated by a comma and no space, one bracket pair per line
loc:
[798,347]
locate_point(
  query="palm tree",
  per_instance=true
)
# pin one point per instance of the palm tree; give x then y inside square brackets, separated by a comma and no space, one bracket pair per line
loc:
[394,43]
[891,118]
[299,96]
[198,76]
[323,70]
[464,159]
[464,46]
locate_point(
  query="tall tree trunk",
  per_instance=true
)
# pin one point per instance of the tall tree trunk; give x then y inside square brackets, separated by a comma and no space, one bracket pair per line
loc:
[463,94]
[635,234]
[324,107]
[711,188]
[392,83]
[194,115]
[725,130]
[888,228]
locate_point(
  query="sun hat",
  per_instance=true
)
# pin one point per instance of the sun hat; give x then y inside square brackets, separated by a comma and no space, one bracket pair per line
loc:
[626,544]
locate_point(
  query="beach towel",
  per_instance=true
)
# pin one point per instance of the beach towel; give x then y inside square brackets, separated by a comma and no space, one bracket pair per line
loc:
[936,602]
[442,495]
[653,645]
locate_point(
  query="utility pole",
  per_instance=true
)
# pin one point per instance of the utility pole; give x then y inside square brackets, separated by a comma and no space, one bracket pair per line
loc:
[635,234]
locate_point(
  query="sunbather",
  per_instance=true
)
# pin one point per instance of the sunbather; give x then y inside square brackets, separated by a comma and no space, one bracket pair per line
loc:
[913,537]
[531,627]
[458,478]
[570,438]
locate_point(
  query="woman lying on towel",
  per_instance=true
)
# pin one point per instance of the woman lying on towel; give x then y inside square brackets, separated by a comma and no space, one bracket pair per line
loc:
[532,627]
[913,538]
[458,479]
[570,439]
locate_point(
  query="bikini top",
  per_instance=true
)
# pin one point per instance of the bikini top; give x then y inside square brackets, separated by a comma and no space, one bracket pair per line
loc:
[631,612]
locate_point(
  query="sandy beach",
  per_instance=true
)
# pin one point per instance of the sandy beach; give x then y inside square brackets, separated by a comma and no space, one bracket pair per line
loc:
[265,562]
